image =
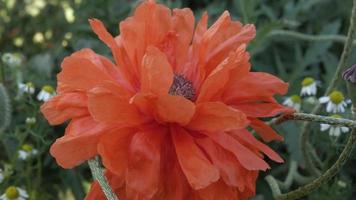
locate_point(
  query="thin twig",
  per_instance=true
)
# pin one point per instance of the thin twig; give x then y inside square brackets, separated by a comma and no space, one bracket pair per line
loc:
[307,37]
[98,175]
[272,182]
[304,136]
[316,118]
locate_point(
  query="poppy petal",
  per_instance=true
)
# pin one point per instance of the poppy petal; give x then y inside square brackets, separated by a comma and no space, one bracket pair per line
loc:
[216,116]
[174,109]
[246,157]
[64,107]
[109,103]
[113,149]
[265,131]
[74,67]
[156,73]
[254,84]
[246,136]
[224,161]
[216,81]
[197,168]
[262,109]
[143,172]
[79,142]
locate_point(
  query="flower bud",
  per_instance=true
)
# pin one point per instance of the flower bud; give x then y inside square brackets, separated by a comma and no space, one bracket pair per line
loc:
[349,76]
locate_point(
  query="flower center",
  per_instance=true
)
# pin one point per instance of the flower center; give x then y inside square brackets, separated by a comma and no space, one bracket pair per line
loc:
[27,147]
[336,97]
[48,89]
[295,98]
[307,81]
[182,87]
[12,193]
[30,85]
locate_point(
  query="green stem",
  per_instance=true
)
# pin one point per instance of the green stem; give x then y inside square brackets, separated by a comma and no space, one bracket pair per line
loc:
[98,175]
[307,37]
[316,118]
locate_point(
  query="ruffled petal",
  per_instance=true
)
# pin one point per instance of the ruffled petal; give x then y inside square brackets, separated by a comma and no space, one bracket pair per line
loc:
[246,157]
[253,86]
[117,51]
[79,142]
[262,109]
[174,109]
[157,73]
[216,116]
[113,149]
[73,67]
[225,161]
[244,135]
[64,107]
[265,131]
[148,26]
[234,66]
[197,168]
[143,172]
[218,190]
[109,103]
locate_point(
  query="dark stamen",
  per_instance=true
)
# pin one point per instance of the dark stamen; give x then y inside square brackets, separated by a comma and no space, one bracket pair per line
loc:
[182,87]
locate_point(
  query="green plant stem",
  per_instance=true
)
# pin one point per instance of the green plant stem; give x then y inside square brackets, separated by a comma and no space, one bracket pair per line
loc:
[305,146]
[98,175]
[330,173]
[316,118]
[307,37]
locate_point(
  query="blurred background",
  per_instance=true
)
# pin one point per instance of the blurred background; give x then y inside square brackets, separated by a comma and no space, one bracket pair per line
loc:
[35,36]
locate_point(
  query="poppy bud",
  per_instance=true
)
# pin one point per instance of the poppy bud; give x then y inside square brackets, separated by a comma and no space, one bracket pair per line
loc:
[349,76]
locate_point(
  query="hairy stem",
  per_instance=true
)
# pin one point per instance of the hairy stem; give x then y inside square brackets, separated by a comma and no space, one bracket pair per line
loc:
[304,136]
[98,175]
[307,37]
[315,118]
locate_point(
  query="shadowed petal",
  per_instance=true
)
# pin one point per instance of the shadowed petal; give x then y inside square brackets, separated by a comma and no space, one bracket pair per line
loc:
[197,168]
[216,116]
[157,73]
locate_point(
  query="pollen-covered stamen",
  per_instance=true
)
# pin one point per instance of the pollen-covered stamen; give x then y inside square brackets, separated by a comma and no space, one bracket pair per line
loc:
[182,87]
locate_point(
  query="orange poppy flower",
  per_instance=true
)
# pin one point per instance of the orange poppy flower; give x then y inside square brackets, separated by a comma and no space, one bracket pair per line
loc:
[169,118]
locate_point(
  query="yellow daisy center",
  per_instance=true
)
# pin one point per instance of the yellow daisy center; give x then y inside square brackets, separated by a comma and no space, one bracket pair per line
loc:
[335,116]
[295,98]
[27,147]
[336,97]
[30,85]
[307,81]
[48,89]
[12,192]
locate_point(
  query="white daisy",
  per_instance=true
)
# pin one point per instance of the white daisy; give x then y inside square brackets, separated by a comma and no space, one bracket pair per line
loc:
[28,88]
[293,101]
[309,87]
[30,120]
[12,59]
[2,176]
[335,102]
[26,151]
[334,131]
[14,193]
[46,93]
